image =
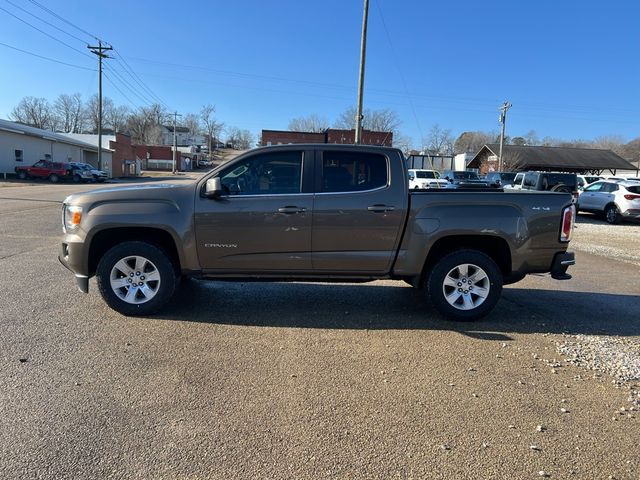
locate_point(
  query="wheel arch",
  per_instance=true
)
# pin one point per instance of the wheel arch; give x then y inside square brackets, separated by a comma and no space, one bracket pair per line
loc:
[495,247]
[103,240]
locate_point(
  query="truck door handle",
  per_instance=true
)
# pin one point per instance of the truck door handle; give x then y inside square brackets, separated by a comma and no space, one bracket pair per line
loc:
[292,209]
[381,208]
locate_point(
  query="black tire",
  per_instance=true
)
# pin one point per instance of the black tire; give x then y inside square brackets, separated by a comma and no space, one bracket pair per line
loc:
[158,265]
[22,175]
[463,304]
[53,178]
[612,214]
[76,178]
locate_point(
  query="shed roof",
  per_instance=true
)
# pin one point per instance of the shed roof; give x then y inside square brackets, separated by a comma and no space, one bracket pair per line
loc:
[562,158]
[20,128]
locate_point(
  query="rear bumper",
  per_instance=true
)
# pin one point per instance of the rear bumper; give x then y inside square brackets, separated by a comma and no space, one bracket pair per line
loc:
[561,262]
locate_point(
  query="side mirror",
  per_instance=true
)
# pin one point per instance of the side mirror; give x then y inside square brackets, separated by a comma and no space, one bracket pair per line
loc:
[213,188]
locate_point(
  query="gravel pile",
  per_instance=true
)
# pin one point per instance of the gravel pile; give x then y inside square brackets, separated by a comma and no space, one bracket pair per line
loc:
[616,356]
[613,241]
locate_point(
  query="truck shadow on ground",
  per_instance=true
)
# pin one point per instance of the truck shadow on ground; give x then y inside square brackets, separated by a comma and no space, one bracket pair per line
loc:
[399,307]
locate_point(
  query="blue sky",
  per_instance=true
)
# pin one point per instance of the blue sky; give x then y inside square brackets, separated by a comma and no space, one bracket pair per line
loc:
[570,68]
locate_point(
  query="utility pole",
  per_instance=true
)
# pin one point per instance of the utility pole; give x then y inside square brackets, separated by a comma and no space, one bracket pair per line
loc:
[99,52]
[503,120]
[175,147]
[363,53]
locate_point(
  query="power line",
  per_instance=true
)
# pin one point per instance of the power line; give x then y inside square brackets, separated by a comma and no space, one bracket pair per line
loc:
[47,58]
[44,21]
[145,99]
[127,68]
[118,89]
[44,33]
[51,12]
[404,82]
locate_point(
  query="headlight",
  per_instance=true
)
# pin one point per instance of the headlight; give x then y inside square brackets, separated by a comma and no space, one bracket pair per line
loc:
[71,217]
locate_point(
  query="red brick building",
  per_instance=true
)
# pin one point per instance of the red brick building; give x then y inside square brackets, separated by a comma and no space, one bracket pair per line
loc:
[123,156]
[330,135]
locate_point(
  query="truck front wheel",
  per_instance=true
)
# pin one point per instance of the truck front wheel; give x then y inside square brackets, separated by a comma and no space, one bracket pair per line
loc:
[465,285]
[136,278]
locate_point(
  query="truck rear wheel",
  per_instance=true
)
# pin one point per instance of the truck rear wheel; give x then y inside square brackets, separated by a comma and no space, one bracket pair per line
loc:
[136,278]
[465,285]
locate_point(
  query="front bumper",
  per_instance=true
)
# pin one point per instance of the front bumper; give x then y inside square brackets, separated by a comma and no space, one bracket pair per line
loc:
[68,257]
[561,262]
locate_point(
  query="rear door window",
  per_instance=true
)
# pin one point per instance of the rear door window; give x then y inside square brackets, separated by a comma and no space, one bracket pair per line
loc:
[353,171]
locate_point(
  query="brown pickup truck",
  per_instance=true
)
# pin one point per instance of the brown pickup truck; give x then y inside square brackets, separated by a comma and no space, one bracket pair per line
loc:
[314,213]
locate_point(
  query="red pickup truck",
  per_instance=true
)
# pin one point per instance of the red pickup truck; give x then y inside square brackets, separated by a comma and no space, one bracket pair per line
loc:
[53,171]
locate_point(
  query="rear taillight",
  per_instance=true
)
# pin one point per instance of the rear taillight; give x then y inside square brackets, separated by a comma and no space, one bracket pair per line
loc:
[630,196]
[568,220]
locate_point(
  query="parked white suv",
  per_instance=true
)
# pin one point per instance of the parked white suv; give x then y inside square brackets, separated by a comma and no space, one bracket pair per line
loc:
[425,179]
[615,199]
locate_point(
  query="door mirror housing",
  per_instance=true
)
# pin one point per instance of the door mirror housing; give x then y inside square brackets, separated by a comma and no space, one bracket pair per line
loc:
[213,188]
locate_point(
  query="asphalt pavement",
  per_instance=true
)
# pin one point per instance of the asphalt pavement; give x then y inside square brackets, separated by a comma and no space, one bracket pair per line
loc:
[301,380]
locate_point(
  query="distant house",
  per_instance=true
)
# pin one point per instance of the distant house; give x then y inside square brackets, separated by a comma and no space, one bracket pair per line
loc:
[565,159]
[184,137]
[330,135]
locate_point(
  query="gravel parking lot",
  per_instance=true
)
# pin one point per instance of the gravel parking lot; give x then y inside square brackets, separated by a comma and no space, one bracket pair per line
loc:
[308,381]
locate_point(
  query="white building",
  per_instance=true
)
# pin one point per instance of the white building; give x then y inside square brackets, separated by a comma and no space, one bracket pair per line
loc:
[183,136]
[24,145]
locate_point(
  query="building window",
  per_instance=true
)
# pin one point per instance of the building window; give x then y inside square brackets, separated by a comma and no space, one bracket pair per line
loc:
[47,156]
[19,155]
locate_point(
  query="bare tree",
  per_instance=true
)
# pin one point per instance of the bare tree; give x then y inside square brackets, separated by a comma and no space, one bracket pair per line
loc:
[312,123]
[33,111]
[439,140]
[193,123]
[239,139]
[403,142]
[117,117]
[211,126]
[384,120]
[68,112]
[91,112]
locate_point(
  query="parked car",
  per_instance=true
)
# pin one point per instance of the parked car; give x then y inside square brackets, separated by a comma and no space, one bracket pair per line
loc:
[546,182]
[96,175]
[584,180]
[52,171]
[500,179]
[616,200]
[419,178]
[464,179]
[313,212]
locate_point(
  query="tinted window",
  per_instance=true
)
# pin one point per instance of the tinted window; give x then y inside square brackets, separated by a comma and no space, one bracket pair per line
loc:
[268,173]
[570,179]
[634,189]
[465,176]
[530,180]
[350,171]
[420,174]
[610,187]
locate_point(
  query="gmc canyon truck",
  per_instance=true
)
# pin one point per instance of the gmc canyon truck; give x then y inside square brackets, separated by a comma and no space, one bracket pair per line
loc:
[329,213]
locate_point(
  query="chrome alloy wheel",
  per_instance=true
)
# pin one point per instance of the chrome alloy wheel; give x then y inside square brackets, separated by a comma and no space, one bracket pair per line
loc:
[135,280]
[466,286]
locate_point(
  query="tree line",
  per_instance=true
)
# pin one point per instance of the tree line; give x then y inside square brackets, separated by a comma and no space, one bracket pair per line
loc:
[68,113]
